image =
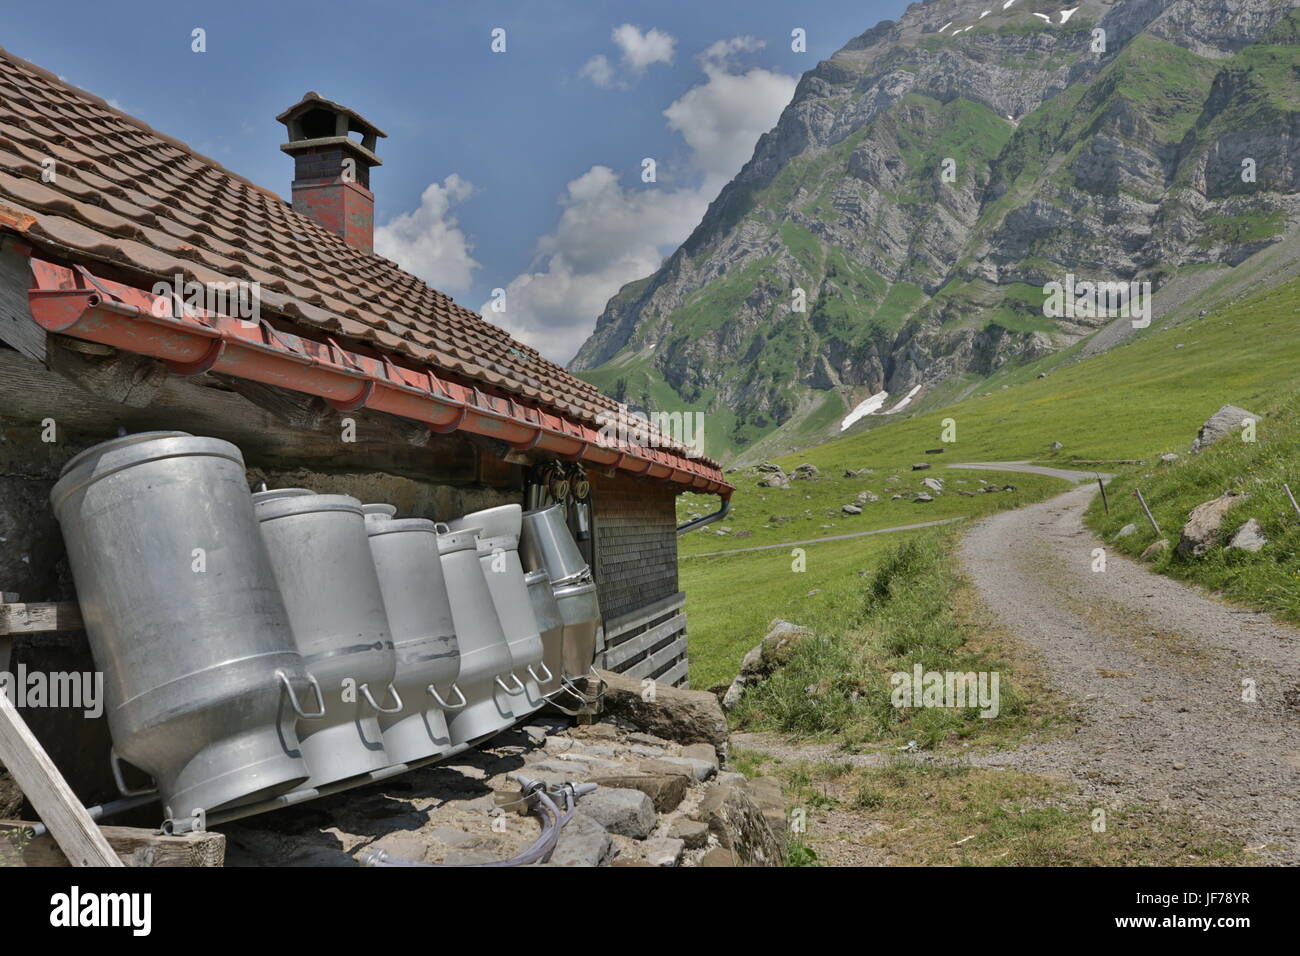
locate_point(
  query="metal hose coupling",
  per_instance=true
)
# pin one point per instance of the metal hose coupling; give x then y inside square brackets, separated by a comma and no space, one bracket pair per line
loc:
[542,800]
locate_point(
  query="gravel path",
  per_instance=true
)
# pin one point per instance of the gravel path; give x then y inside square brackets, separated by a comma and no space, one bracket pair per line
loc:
[1157,670]
[831,537]
[1024,467]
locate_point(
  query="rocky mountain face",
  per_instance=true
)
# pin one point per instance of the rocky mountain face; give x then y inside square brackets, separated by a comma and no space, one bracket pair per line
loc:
[898,226]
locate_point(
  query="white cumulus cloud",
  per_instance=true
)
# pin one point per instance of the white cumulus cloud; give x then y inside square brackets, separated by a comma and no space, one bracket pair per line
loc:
[609,235]
[599,70]
[641,50]
[428,242]
[722,118]
[638,51]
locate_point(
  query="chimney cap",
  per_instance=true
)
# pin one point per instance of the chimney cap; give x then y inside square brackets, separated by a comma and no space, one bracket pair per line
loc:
[312,100]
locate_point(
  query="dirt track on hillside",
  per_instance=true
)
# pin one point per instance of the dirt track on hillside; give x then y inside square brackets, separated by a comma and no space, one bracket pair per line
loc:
[1156,669]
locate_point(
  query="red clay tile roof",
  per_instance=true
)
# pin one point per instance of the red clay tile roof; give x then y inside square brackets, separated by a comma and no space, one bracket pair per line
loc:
[130,196]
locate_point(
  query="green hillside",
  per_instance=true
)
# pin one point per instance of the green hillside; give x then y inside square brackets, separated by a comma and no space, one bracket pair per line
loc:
[1135,402]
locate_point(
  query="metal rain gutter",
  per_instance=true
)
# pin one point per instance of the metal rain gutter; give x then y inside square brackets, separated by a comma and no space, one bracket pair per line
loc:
[701,521]
[72,301]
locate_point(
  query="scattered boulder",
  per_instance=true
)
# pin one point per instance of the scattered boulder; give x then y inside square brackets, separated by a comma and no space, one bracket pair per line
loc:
[1056,446]
[865,497]
[740,826]
[718,856]
[1201,531]
[764,657]
[851,509]
[683,716]
[776,480]
[1249,537]
[766,794]
[769,466]
[1169,457]
[920,467]
[695,770]
[934,484]
[1125,531]
[1155,549]
[693,833]
[583,841]
[663,789]
[922,496]
[663,851]
[1222,423]
[628,812]
[704,752]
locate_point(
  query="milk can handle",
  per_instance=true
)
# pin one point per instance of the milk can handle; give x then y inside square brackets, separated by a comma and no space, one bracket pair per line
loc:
[442,527]
[565,710]
[293,698]
[541,680]
[116,762]
[443,704]
[392,691]
[593,674]
[571,689]
[519,685]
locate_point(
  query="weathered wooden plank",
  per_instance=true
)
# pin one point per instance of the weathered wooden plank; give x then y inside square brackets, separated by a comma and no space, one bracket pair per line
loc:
[201,405]
[122,377]
[29,765]
[618,655]
[656,661]
[17,327]
[626,622]
[35,618]
[675,676]
[132,845]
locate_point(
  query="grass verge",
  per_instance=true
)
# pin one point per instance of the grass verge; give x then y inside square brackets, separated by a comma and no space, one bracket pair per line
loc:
[912,813]
[913,609]
[1268,579]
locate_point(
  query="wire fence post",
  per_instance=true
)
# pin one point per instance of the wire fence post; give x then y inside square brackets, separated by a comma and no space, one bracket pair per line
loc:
[1142,501]
[1104,503]
[1287,489]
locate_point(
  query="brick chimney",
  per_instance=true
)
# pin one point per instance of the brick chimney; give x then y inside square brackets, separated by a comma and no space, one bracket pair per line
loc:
[331,176]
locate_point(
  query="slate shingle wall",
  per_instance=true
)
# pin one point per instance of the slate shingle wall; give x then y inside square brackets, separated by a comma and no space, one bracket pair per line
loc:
[636,537]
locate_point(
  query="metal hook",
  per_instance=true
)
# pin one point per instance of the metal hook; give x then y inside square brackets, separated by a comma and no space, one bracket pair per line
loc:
[443,704]
[293,698]
[392,691]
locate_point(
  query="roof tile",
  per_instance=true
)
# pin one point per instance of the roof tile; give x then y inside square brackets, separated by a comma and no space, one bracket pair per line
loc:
[129,195]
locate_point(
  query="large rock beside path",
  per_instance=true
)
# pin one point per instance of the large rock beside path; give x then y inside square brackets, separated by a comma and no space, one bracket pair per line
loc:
[1201,532]
[1224,422]
[684,716]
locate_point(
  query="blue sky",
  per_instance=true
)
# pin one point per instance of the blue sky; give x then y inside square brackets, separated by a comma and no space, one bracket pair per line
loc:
[518,170]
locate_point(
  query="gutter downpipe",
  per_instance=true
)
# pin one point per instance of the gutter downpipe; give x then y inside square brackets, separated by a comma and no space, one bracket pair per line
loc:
[701,521]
